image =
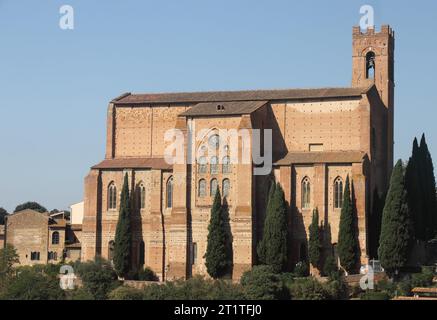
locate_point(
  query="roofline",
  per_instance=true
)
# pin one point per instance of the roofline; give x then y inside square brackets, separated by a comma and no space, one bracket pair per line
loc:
[117,100]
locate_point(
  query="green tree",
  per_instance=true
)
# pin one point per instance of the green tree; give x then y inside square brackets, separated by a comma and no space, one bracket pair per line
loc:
[347,235]
[123,233]
[30,205]
[314,243]
[3,214]
[8,257]
[31,284]
[98,278]
[396,226]
[261,248]
[273,246]
[217,256]
[263,283]
[429,190]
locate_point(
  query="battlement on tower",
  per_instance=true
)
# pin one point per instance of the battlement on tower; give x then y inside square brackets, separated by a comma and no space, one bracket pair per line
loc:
[386,30]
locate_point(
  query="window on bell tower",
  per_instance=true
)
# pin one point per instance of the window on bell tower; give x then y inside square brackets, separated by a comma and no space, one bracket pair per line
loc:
[370,65]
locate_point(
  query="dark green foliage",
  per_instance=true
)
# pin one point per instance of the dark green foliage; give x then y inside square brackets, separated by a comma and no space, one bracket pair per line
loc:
[375,221]
[301,269]
[314,243]
[8,257]
[217,256]
[272,249]
[348,248]
[3,214]
[196,288]
[263,283]
[30,205]
[420,184]
[147,274]
[98,277]
[311,289]
[330,268]
[80,294]
[125,293]
[395,230]
[261,248]
[123,234]
[375,295]
[423,279]
[31,284]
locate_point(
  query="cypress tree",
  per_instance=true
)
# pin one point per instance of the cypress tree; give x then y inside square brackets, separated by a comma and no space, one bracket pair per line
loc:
[395,229]
[314,244]
[415,192]
[275,231]
[217,255]
[261,249]
[123,236]
[429,191]
[347,235]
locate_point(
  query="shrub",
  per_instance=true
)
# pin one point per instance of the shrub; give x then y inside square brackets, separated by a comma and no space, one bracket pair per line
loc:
[262,283]
[308,289]
[147,274]
[80,294]
[423,279]
[375,295]
[33,285]
[98,278]
[125,293]
[301,269]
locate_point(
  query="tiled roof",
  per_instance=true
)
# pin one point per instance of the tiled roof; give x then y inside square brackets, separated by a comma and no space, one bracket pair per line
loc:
[322,157]
[249,95]
[224,108]
[133,163]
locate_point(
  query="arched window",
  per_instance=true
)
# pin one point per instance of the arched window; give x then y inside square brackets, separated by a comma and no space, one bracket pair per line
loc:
[201,192]
[370,65]
[214,165]
[226,187]
[202,165]
[141,196]
[226,165]
[112,196]
[306,192]
[111,245]
[213,186]
[55,237]
[169,192]
[338,193]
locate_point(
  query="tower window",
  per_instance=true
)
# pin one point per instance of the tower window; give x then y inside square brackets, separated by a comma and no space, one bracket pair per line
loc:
[170,192]
[214,185]
[112,196]
[370,65]
[202,188]
[55,237]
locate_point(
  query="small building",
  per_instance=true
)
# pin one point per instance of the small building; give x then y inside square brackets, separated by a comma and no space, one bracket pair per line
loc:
[76,213]
[39,238]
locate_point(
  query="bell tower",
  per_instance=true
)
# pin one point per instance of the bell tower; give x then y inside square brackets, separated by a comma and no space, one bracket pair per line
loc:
[373,63]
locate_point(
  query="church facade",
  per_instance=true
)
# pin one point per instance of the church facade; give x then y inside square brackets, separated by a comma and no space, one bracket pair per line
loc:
[319,138]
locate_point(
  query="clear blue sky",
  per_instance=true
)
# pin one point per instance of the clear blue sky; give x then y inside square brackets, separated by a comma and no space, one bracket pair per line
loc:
[55,84]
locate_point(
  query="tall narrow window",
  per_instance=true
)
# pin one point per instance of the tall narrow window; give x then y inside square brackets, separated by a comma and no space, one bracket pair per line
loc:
[226,165]
[170,192]
[214,165]
[226,187]
[55,237]
[338,193]
[213,186]
[202,165]
[112,196]
[194,253]
[111,245]
[141,195]
[201,192]
[370,65]
[306,193]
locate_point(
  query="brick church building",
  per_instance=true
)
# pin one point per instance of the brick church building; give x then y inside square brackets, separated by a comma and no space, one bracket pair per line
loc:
[320,136]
